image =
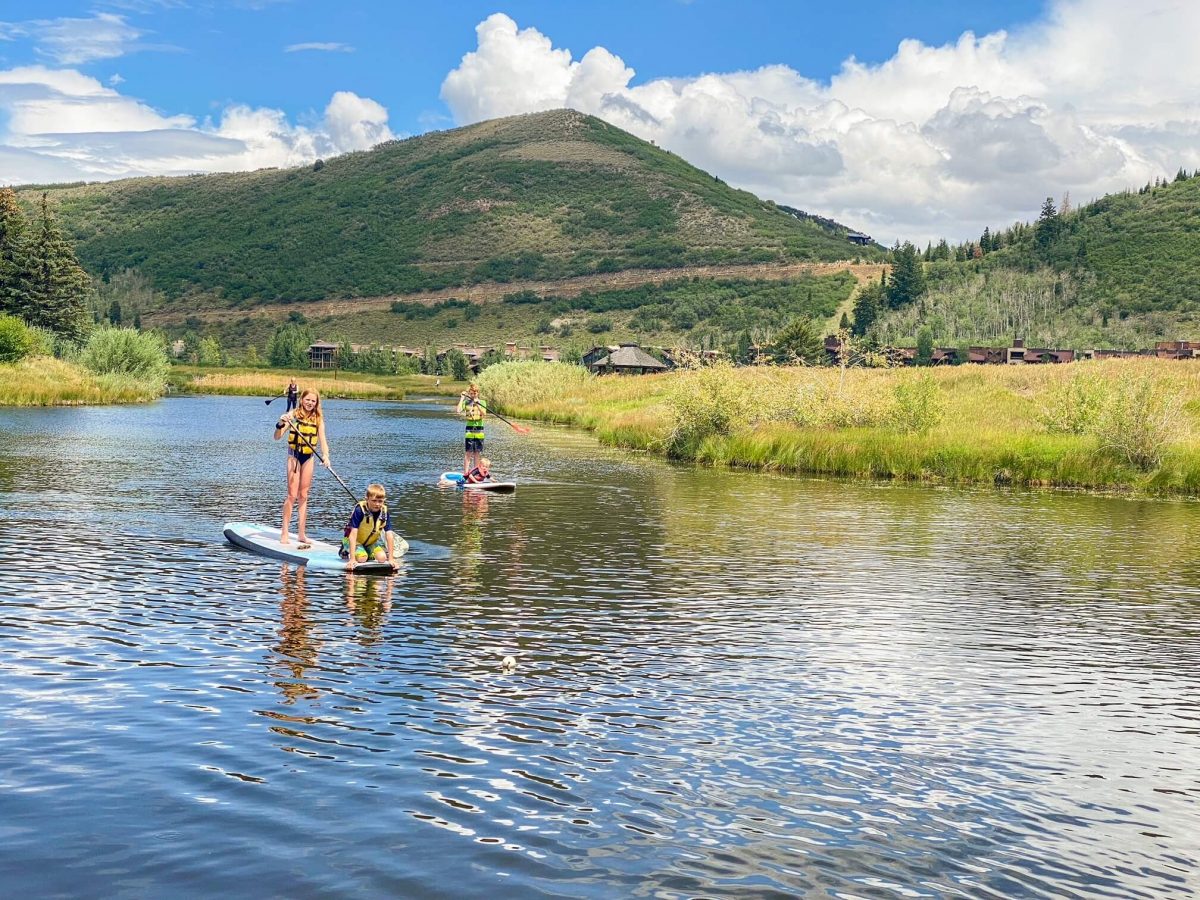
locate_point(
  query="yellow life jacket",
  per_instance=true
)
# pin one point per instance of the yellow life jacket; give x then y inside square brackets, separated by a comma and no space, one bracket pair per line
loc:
[371,528]
[302,438]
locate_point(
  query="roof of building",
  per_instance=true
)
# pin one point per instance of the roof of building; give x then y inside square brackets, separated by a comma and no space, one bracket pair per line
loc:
[630,356]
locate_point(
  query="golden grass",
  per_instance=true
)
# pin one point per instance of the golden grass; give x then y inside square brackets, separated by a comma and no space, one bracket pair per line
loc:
[45,381]
[830,421]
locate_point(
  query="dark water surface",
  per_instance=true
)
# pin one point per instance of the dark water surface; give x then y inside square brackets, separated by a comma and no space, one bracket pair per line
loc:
[727,684]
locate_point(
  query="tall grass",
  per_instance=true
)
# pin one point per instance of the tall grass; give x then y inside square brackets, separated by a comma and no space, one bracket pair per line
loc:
[45,381]
[1002,424]
[267,384]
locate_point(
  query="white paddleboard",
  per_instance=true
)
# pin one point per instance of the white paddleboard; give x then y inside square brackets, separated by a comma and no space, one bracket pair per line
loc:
[459,480]
[321,555]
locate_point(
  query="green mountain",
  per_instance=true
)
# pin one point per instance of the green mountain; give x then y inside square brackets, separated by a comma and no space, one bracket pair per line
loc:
[1121,271]
[535,197]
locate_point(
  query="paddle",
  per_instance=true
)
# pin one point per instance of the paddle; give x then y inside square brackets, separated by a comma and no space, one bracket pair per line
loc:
[277,397]
[519,429]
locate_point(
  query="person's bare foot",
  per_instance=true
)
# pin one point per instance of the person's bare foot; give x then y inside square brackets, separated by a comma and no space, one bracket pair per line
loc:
[304,543]
[283,539]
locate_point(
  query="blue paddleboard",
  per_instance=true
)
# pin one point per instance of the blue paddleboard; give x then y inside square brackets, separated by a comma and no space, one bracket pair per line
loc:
[264,541]
[459,480]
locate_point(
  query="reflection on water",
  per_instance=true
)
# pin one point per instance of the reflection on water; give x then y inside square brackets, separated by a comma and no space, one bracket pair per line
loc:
[728,684]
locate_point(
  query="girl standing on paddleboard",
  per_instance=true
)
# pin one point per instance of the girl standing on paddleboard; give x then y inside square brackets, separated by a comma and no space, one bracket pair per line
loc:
[305,428]
[471,407]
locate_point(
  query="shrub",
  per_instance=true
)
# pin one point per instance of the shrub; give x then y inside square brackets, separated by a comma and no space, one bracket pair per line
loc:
[1140,419]
[707,402]
[919,405]
[1074,406]
[16,342]
[125,351]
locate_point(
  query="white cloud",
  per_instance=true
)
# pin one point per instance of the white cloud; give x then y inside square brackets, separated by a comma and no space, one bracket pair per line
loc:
[66,126]
[322,46]
[71,42]
[1098,96]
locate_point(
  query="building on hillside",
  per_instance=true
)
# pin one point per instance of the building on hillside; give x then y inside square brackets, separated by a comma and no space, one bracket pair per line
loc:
[857,237]
[322,355]
[548,353]
[628,359]
[598,352]
[1177,349]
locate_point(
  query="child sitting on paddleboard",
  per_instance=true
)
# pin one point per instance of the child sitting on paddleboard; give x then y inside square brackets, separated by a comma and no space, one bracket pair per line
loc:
[473,409]
[368,534]
[482,472]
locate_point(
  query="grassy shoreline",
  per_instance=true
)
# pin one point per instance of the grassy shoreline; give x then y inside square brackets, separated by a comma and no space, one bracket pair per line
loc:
[1006,425]
[267,383]
[996,424]
[46,381]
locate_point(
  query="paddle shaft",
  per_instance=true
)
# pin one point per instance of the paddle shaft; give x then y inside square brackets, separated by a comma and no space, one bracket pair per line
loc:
[276,397]
[519,429]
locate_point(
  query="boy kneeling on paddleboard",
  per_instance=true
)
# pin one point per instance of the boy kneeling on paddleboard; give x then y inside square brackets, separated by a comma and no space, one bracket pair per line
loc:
[368,534]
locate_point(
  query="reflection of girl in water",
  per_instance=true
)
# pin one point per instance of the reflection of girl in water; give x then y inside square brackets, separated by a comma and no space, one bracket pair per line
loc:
[296,648]
[468,558]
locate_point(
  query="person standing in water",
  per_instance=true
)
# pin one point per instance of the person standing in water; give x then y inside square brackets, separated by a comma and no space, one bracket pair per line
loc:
[473,409]
[292,393]
[305,429]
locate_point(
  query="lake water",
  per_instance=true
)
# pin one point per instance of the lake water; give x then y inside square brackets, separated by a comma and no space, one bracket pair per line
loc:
[728,684]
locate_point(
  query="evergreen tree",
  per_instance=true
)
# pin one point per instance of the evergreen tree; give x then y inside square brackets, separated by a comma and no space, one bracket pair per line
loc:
[15,292]
[908,277]
[985,240]
[844,323]
[867,306]
[114,313]
[1048,226]
[800,341]
[59,285]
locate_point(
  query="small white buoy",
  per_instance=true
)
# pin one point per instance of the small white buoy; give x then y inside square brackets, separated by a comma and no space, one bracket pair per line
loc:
[508,664]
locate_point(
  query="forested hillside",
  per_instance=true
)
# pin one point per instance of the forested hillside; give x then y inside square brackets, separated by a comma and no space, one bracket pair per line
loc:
[535,197]
[1122,271]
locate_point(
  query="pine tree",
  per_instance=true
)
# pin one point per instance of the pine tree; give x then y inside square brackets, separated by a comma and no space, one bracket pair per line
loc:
[14,257]
[59,285]
[1048,226]
[985,240]
[908,277]
[866,307]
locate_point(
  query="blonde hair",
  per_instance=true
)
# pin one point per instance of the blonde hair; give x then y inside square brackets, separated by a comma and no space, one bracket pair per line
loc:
[484,462]
[376,490]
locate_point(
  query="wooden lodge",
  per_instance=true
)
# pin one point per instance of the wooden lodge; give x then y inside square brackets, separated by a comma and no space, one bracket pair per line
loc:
[322,355]
[627,359]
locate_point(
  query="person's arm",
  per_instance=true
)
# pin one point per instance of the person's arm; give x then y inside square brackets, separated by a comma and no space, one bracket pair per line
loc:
[462,402]
[391,545]
[324,444]
[281,426]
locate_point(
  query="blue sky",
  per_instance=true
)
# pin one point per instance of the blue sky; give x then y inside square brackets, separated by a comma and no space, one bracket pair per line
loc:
[910,120]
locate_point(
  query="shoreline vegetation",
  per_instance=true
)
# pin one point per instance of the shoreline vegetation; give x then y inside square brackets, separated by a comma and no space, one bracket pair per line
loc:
[1121,426]
[46,381]
[1124,425]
